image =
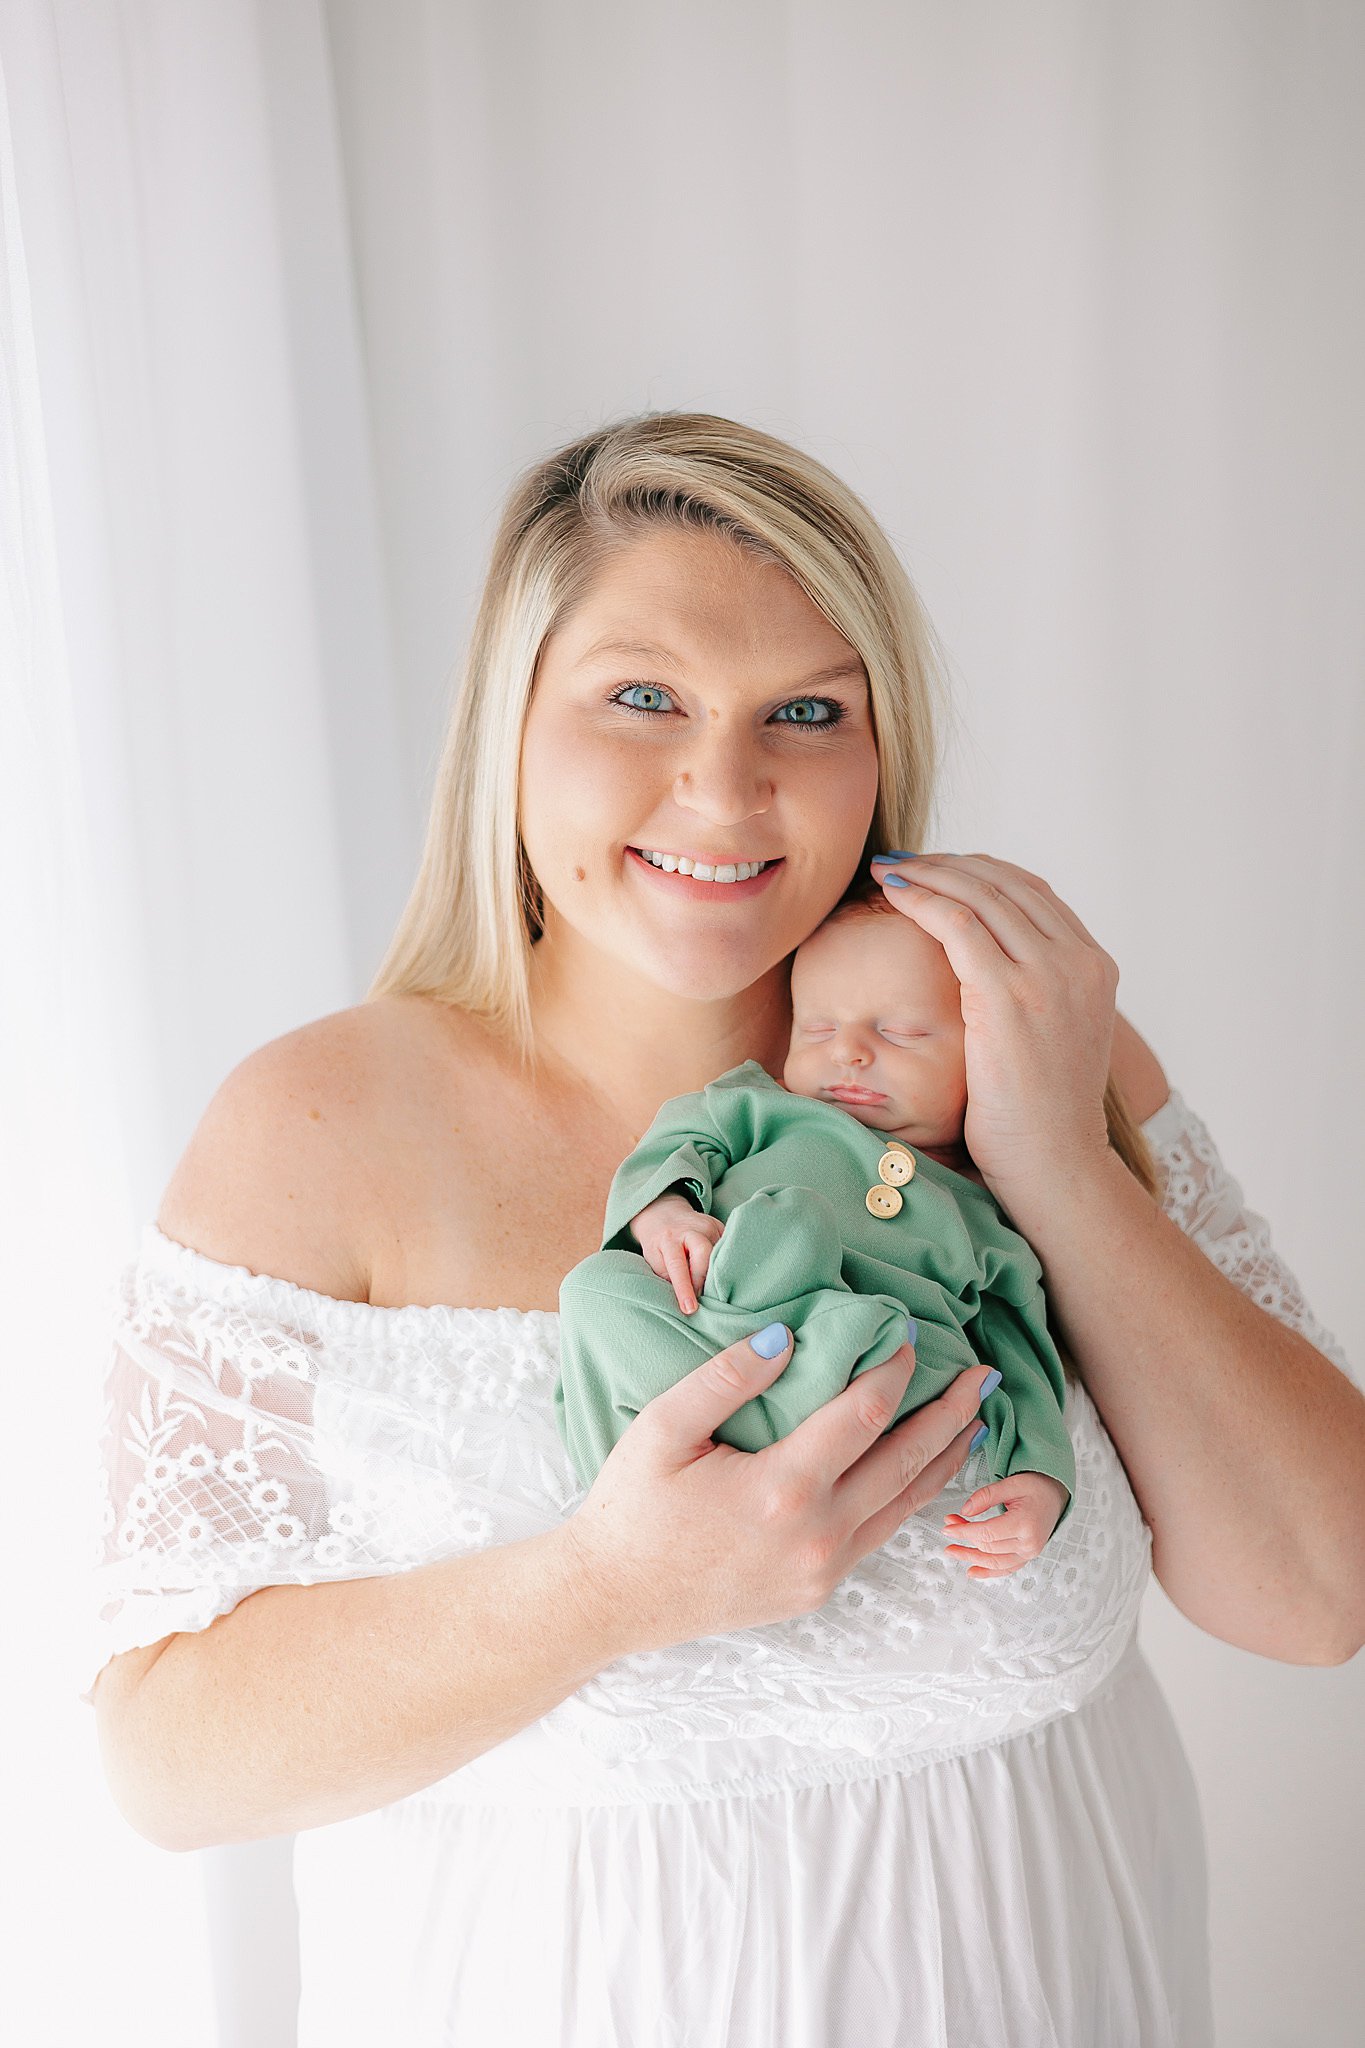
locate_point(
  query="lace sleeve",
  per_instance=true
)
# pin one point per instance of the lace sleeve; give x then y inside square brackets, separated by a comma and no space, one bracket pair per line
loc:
[257,1434]
[1204,1199]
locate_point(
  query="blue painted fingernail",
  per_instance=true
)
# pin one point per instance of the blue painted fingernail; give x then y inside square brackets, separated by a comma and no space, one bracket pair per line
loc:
[911,1330]
[980,1437]
[991,1382]
[896,882]
[771,1340]
[896,853]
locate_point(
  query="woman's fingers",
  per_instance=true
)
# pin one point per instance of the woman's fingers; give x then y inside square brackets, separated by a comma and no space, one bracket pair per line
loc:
[1037,1001]
[830,1448]
[684,1417]
[985,878]
[1007,868]
[879,1527]
[876,1474]
[973,919]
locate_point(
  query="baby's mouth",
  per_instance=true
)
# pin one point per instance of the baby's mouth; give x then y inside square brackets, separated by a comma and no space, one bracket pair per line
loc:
[848,1091]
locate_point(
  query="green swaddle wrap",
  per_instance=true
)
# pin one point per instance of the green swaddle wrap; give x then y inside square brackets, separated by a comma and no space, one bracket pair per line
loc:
[787,1175]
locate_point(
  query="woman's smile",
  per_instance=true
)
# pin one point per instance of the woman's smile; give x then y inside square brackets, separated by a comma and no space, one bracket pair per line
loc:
[699,888]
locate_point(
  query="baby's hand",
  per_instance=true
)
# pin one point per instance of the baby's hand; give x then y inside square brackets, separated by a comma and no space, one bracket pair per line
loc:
[676,1241]
[1033,1505]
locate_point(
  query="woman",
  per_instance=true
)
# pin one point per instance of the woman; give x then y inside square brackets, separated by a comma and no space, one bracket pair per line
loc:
[725,1750]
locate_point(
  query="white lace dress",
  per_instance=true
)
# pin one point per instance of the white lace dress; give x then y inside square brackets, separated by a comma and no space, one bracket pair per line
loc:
[938,1813]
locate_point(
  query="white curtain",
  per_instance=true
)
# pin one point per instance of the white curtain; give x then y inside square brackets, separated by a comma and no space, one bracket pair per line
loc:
[206,824]
[1072,294]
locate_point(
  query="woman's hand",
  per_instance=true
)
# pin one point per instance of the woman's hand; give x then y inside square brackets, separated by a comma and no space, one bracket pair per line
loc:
[1037,1007]
[681,1537]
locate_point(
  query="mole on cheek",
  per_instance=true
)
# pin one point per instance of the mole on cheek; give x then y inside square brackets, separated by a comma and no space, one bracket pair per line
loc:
[578,874]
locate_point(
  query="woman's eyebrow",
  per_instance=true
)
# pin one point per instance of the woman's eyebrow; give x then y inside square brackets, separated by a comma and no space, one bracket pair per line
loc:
[646,650]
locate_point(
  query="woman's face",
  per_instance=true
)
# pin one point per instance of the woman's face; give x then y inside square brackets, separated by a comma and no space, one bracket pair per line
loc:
[736,729]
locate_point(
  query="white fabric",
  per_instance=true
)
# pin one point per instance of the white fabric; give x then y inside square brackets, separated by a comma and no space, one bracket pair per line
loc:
[939,1810]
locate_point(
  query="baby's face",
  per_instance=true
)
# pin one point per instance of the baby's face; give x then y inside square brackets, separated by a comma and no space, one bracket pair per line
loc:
[877,1008]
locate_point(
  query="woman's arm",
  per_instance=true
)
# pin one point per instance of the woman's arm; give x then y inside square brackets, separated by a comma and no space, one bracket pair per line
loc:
[311,1704]
[1245,1447]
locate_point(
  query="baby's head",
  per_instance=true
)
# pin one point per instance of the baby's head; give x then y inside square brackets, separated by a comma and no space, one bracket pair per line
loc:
[876,1006]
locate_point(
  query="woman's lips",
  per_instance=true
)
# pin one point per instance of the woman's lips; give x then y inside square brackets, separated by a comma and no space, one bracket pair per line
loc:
[849,1094]
[686,885]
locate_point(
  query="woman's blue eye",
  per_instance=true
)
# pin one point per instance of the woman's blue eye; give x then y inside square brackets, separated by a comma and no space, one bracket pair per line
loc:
[812,724]
[647,687]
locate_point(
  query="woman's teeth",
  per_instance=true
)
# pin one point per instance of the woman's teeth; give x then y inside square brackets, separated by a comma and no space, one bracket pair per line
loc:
[671,863]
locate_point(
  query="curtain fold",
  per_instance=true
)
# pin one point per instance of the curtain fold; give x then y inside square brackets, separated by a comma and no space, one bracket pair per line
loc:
[205,817]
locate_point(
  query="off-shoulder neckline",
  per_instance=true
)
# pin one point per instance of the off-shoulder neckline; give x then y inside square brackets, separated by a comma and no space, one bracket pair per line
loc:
[195,1270]
[183,1265]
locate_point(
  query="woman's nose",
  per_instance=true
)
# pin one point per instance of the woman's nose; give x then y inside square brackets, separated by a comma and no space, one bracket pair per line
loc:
[724,783]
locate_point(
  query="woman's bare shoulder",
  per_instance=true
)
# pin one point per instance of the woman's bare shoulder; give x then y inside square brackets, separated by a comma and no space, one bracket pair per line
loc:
[292,1168]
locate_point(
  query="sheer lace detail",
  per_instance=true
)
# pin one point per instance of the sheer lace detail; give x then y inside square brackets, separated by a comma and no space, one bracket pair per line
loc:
[256,1433]
[1203,1198]
[260,1434]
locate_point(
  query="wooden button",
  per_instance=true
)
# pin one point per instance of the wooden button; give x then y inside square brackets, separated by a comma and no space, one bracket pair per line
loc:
[883,1201]
[896,1166]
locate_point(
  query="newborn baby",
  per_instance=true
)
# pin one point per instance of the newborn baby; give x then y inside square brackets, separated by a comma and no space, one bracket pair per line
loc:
[834,1200]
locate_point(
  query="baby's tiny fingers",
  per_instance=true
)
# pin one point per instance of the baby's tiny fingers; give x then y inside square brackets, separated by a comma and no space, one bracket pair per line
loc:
[676,1260]
[984,1536]
[997,1493]
[979,1554]
[699,1257]
[697,1265]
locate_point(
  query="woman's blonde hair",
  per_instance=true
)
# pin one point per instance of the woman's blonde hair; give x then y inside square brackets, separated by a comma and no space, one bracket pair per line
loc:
[475,910]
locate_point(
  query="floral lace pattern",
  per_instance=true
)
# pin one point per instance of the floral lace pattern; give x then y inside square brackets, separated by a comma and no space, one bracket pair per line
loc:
[908,1654]
[1203,1198]
[256,1433]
